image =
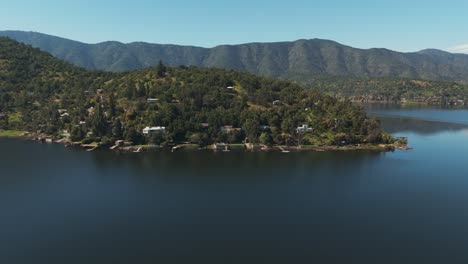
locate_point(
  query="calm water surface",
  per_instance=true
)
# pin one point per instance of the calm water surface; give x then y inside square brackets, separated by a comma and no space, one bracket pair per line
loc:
[65,206]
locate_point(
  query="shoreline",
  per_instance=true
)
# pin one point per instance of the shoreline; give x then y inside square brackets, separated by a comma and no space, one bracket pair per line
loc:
[218,147]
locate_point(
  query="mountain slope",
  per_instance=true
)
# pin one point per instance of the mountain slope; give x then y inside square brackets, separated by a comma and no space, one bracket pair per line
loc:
[302,60]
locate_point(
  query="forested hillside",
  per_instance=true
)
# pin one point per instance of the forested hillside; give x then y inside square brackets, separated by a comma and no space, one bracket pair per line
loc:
[302,60]
[391,90]
[41,94]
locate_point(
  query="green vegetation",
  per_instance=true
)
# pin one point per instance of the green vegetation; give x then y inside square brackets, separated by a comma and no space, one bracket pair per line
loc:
[39,93]
[11,133]
[394,90]
[302,60]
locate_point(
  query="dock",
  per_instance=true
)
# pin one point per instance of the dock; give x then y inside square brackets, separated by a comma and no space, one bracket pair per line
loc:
[283,150]
[138,150]
[89,147]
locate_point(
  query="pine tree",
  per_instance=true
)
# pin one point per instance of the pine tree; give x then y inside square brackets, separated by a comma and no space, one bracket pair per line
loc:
[99,122]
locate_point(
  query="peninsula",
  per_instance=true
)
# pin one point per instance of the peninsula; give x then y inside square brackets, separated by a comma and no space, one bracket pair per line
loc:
[169,106]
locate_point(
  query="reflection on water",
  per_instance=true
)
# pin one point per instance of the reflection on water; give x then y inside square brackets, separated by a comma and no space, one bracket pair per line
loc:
[443,115]
[418,126]
[420,120]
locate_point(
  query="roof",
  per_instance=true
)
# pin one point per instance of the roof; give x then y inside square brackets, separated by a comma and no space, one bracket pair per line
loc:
[155,128]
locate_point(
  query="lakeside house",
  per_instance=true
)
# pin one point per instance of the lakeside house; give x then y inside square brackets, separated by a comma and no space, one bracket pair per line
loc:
[304,129]
[152,100]
[154,130]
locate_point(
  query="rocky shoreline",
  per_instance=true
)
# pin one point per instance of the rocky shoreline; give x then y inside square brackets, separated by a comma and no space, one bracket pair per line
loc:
[121,146]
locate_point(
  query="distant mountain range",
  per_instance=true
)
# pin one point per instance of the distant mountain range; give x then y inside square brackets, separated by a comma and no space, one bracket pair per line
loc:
[301,60]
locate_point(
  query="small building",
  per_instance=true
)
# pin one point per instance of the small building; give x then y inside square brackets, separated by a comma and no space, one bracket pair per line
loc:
[205,125]
[3,116]
[120,143]
[64,115]
[304,129]
[264,127]
[154,130]
[100,91]
[277,102]
[62,111]
[82,123]
[230,87]
[152,100]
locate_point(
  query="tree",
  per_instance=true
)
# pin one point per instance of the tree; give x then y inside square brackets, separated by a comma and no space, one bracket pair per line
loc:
[133,136]
[112,110]
[266,139]
[130,91]
[99,122]
[288,126]
[141,92]
[201,139]
[118,129]
[251,127]
[161,69]
[157,138]
[77,134]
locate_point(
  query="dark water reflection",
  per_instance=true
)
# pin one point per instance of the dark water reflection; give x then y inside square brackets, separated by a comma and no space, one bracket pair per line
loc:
[64,206]
[418,126]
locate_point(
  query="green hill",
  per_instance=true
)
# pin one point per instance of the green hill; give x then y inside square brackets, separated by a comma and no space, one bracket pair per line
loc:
[42,94]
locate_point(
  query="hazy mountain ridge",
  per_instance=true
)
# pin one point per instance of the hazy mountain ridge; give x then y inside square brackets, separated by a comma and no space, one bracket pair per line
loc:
[301,60]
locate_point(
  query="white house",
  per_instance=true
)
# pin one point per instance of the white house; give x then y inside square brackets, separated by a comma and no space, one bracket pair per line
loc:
[153,130]
[304,129]
[152,100]
[230,87]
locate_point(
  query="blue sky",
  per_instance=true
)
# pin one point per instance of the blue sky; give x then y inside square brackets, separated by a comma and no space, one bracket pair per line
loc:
[398,25]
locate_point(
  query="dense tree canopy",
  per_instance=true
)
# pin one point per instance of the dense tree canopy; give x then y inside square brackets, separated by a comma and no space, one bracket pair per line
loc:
[199,105]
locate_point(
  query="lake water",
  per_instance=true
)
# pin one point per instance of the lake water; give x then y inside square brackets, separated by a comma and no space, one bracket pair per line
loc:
[65,206]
